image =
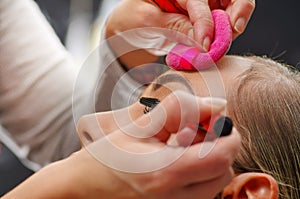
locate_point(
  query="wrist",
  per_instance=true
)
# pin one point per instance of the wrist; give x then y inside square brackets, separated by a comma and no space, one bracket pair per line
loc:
[95,180]
[62,181]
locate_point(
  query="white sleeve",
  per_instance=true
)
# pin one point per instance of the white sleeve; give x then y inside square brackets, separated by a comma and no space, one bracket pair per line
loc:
[116,88]
[36,82]
[42,95]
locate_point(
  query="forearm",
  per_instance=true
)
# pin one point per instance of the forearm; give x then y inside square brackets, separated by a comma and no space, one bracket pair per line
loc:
[79,176]
[51,182]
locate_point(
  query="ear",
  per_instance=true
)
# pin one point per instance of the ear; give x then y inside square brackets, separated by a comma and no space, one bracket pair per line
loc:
[251,185]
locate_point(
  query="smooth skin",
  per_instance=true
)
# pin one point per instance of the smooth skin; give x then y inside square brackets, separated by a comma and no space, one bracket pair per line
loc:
[82,176]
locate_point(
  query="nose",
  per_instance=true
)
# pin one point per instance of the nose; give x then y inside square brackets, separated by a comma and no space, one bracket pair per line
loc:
[89,129]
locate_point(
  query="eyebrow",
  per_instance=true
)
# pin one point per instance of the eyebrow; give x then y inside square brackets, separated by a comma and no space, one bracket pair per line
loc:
[162,80]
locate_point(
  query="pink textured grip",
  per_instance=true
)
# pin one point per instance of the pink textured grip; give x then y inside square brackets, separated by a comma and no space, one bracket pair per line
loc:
[184,57]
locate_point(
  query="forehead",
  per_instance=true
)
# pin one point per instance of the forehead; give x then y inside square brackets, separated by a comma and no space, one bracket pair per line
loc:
[212,82]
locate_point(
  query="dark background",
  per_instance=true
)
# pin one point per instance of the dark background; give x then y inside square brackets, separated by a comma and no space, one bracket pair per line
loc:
[273,30]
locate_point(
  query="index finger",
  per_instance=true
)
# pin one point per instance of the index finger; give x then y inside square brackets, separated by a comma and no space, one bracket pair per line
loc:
[240,12]
[201,18]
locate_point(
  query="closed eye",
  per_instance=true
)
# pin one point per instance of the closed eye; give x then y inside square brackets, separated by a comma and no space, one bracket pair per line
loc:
[173,77]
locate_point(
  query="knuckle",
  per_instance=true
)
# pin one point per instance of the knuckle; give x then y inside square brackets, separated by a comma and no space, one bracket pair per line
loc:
[247,5]
[252,2]
[221,165]
[178,97]
[158,183]
[175,102]
[224,161]
[179,24]
[172,99]
[206,21]
[198,3]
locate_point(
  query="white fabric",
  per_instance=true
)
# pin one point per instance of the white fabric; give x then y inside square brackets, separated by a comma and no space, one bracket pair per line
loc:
[37,77]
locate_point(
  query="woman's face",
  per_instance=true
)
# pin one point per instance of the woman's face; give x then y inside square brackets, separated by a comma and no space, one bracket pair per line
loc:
[208,83]
[215,82]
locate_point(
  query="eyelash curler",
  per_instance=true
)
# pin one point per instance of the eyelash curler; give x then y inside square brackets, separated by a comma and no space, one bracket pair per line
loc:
[221,125]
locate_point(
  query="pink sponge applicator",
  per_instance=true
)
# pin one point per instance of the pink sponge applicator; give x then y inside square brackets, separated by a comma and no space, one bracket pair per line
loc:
[189,58]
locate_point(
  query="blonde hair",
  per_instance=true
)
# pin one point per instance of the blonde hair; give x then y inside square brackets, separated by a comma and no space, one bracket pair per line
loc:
[265,106]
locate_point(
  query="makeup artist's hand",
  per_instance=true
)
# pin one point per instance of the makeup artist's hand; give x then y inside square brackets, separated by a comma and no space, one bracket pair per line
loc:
[239,12]
[161,171]
[132,14]
[150,168]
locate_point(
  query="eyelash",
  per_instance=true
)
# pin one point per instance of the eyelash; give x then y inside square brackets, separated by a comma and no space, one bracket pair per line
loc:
[149,103]
[147,109]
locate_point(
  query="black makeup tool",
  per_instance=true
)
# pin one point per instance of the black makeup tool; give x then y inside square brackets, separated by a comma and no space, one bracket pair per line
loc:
[221,125]
[150,103]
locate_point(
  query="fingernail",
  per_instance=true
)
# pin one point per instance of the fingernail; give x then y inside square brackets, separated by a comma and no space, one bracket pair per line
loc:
[240,25]
[206,44]
[215,102]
